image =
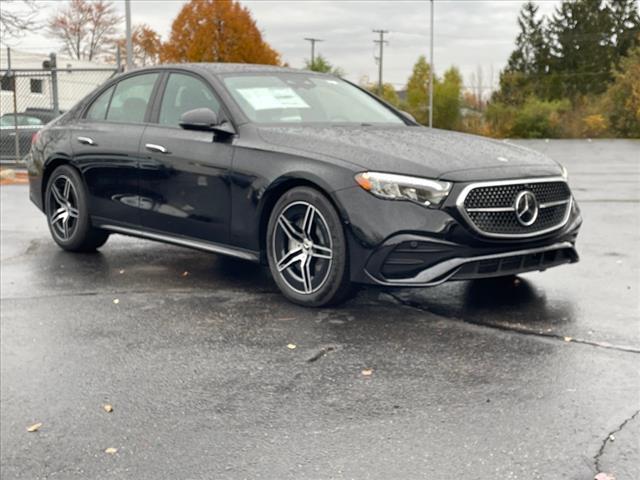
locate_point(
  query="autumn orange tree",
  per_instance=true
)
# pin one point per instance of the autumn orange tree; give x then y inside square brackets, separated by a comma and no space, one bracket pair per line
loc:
[217,31]
[146,45]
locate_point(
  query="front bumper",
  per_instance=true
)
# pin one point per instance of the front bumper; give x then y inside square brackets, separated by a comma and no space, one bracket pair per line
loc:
[420,262]
[397,243]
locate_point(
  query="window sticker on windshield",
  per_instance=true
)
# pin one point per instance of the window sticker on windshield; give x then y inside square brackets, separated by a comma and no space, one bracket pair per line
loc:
[272,98]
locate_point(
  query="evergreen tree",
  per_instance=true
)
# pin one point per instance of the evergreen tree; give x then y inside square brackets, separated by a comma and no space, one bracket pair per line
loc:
[581,48]
[531,54]
[625,27]
[528,64]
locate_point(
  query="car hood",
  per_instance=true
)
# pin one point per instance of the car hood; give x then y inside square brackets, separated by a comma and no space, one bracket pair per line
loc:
[413,150]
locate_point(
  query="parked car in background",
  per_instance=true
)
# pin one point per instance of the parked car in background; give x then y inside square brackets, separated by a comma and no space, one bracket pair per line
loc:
[29,123]
[311,175]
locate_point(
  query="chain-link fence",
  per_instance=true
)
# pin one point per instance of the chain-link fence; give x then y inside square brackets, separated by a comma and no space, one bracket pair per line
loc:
[29,99]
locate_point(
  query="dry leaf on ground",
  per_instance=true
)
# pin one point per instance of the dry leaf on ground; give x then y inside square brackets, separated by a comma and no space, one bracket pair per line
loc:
[107,408]
[367,372]
[604,476]
[35,427]
[291,346]
[111,450]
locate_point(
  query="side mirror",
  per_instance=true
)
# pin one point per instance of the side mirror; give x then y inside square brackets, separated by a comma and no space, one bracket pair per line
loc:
[408,116]
[205,119]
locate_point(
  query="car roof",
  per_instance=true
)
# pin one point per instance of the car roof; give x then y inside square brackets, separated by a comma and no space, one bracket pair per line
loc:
[224,68]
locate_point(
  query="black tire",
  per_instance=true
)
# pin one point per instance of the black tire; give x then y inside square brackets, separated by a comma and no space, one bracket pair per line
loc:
[67,211]
[321,277]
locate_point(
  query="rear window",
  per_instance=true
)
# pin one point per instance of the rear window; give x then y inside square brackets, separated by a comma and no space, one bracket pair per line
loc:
[126,101]
[98,110]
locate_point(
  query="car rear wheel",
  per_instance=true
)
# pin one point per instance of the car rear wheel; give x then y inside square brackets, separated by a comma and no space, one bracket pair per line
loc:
[307,250]
[67,212]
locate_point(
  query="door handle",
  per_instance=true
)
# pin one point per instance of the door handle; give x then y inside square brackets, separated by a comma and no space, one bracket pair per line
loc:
[156,148]
[87,141]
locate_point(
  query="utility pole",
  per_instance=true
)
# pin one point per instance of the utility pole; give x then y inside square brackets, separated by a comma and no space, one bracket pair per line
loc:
[55,94]
[13,79]
[313,48]
[381,43]
[127,10]
[431,72]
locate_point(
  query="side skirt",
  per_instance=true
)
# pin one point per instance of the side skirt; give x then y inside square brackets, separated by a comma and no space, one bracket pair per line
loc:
[183,242]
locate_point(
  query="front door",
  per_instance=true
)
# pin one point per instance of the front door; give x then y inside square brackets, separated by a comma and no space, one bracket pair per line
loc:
[184,186]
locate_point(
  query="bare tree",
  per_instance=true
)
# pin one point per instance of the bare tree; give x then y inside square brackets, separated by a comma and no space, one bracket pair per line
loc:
[86,28]
[19,19]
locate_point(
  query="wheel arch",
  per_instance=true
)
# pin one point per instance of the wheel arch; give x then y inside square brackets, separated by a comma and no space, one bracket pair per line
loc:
[48,169]
[278,188]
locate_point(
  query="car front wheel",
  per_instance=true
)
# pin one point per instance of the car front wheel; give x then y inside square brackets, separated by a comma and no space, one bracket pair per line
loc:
[307,250]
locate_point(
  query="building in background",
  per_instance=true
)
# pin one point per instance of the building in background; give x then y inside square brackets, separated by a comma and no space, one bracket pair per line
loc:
[76,78]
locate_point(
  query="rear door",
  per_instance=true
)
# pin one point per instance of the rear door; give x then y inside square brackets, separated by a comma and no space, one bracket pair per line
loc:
[106,145]
[184,185]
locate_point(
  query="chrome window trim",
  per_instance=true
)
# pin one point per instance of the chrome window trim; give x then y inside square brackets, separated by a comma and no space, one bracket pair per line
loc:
[465,191]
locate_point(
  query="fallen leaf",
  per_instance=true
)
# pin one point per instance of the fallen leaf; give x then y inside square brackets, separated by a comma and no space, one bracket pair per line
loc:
[121,271]
[291,346]
[35,427]
[185,274]
[367,372]
[116,301]
[568,339]
[604,476]
[107,408]
[111,450]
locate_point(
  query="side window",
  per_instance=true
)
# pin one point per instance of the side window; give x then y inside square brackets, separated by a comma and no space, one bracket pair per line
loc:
[184,93]
[130,100]
[98,110]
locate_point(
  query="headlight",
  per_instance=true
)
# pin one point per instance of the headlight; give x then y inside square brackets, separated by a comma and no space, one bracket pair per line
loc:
[424,191]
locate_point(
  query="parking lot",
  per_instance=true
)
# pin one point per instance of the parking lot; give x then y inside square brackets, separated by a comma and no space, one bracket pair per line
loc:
[535,378]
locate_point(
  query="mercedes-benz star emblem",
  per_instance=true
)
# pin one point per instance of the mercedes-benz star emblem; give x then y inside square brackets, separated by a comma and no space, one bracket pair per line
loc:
[526,208]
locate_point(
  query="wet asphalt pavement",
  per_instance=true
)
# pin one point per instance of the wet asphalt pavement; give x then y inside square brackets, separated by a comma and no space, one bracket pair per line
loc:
[532,379]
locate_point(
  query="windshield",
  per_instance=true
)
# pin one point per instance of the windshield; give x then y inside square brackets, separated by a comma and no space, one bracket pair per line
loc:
[305,98]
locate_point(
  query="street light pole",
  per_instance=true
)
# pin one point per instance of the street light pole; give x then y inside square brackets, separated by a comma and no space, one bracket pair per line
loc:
[431,72]
[127,10]
[381,42]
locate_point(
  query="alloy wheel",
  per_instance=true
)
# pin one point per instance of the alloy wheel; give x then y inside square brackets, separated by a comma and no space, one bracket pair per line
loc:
[63,207]
[302,247]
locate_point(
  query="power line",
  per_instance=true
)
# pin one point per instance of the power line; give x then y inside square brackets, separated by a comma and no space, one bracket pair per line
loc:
[381,43]
[313,47]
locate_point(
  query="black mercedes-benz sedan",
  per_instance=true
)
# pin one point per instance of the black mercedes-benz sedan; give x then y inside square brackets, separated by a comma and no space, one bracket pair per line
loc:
[313,176]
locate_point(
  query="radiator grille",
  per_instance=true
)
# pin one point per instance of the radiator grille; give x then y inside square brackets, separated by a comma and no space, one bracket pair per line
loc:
[491,208]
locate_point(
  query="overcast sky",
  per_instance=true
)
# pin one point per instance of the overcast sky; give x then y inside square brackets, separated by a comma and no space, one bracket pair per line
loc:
[468,33]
